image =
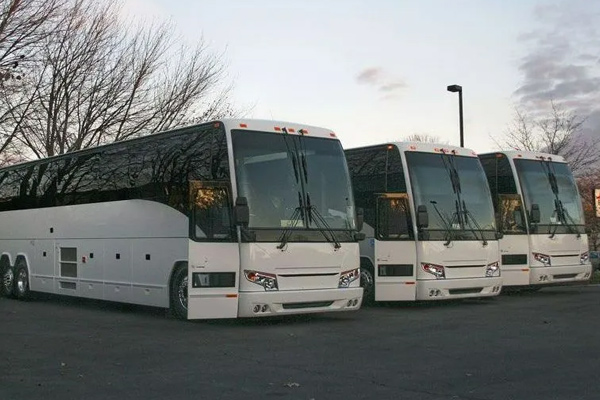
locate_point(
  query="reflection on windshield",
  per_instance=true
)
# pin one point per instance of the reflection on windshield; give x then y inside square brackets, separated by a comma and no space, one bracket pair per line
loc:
[537,189]
[433,187]
[271,176]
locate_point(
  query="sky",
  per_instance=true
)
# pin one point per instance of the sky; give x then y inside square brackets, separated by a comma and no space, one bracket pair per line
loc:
[377,71]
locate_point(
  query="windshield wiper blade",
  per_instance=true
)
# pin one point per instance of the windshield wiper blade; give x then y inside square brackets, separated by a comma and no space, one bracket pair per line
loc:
[291,154]
[468,215]
[562,215]
[445,223]
[315,216]
[297,216]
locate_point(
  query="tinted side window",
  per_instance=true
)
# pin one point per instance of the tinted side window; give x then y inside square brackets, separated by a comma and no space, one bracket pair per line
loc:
[375,170]
[155,168]
[211,216]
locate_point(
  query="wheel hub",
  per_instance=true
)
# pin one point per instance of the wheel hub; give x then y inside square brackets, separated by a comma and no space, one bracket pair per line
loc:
[182,292]
[7,279]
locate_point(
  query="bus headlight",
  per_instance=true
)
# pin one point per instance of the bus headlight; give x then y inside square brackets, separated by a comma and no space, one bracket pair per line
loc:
[346,278]
[435,270]
[492,269]
[267,281]
[543,258]
[584,258]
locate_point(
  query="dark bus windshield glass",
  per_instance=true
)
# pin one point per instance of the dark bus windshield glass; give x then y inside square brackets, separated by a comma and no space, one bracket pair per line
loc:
[537,189]
[432,186]
[272,174]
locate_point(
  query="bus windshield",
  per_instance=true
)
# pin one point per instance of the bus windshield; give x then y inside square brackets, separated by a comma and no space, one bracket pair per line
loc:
[560,205]
[438,182]
[282,174]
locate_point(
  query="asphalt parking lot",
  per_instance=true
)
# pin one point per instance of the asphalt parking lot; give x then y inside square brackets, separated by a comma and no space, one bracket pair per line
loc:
[541,345]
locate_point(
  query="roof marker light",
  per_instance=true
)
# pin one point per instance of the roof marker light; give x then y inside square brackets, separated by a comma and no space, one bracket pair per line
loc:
[243,125]
[303,131]
[412,147]
[292,130]
[277,128]
[390,146]
[332,134]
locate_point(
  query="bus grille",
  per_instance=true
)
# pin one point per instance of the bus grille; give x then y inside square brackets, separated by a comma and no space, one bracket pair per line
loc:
[311,304]
[465,291]
[565,276]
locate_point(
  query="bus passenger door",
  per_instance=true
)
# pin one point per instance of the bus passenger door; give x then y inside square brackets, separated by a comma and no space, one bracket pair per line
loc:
[214,257]
[395,251]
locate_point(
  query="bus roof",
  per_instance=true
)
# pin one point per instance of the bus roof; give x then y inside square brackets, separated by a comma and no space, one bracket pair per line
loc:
[427,148]
[529,155]
[265,125]
[250,124]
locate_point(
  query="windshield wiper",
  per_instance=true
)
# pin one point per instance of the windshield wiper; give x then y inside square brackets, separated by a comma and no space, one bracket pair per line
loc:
[322,225]
[445,223]
[291,154]
[559,209]
[297,216]
[562,215]
[470,217]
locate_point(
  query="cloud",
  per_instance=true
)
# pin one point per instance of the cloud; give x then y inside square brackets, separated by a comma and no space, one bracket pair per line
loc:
[383,82]
[370,75]
[562,63]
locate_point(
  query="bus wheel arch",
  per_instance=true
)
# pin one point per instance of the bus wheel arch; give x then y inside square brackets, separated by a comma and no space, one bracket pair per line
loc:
[7,277]
[367,280]
[178,283]
[21,279]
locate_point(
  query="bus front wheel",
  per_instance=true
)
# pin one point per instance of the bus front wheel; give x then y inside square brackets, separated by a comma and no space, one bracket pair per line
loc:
[367,282]
[179,293]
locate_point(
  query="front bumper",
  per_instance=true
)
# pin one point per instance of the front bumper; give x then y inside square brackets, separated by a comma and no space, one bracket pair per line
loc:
[264,304]
[441,289]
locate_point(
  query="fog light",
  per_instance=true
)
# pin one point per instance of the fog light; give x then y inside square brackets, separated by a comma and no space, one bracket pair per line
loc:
[355,302]
[256,308]
[264,308]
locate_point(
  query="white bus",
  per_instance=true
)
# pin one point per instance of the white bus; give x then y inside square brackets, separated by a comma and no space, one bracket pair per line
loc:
[236,218]
[539,211]
[429,223]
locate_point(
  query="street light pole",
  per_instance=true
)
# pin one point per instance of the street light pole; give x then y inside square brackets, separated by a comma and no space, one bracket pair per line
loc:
[454,89]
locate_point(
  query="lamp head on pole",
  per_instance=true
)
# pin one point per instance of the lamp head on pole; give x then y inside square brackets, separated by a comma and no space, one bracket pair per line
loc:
[454,88]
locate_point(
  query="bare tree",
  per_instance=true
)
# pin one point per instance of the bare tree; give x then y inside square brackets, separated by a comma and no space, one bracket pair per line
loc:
[99,81]
[558,132]
[24,24]
[423,137]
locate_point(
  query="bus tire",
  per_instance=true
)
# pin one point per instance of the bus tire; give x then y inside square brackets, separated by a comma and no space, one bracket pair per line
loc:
[7,280]
[21,285]
[367,282]
[178,293]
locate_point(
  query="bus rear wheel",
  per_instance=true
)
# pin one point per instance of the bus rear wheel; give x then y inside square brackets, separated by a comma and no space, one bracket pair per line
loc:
[179,293]
[7,284]
[21,278]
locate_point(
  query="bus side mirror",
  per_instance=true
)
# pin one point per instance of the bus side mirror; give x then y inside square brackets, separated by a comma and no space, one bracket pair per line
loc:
[535,214]
[360,218]
[241,212]
[422,217]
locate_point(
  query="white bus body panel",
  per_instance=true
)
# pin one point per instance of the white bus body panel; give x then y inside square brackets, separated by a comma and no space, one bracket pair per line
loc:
[213,302]
[465,266]
[514,274]
[565,253]
[124,251]
[307,276]
[395,288]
